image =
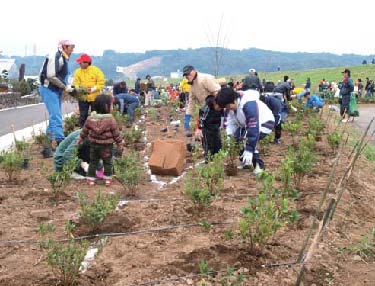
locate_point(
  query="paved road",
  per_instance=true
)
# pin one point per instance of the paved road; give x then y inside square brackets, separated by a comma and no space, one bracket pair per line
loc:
[366,113]
[22,117]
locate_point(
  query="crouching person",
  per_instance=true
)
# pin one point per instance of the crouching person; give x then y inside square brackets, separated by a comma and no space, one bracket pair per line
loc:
[313,101]
[208,128]
[102,131]
[248,119]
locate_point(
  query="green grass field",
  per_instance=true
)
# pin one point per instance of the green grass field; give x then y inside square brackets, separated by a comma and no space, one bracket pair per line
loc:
[316,75]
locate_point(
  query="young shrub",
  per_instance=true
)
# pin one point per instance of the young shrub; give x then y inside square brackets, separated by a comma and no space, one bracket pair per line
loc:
[198,193]
[293,129]
[11,163]
[64,258]
[316,126]
[334,140]
[43,139]
[265,214]
[303,159]
[232,148]
[132,136]
[70,123]
[94,213]
[129,170]
[213,173]
[59,180]
[286,174]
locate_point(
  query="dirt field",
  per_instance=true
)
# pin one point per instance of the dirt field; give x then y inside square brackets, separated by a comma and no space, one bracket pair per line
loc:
[147,254]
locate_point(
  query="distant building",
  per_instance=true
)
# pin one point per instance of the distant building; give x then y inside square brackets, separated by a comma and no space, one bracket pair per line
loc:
[10,66]
[176,74]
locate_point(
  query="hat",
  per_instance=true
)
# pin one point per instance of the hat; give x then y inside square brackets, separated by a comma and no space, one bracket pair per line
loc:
[252,70]
[84,58]
[346,70]
[65,43]
[187,69]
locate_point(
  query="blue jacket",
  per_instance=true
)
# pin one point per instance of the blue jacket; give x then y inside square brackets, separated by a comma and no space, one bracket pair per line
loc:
[314,101]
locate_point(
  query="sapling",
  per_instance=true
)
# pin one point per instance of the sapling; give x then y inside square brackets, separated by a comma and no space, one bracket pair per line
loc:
[334,140]
[11,163]
[231,278]
[128,171]
[232,148]
[59,180]
[94,213]
[264,214]
[70,123]
[64,258]
[292,128]
[196,191]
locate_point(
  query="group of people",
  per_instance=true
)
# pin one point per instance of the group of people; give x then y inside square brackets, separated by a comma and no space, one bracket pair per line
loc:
[249,117]
[250,113]
[100,130]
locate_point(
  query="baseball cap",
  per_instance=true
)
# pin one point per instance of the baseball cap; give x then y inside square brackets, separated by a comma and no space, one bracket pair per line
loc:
[65,43]
[346,70]
[84,58]
[252,70]
[187,69]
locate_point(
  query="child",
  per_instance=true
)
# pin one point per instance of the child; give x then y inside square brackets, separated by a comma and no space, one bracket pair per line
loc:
[248,118]
[209,127]
[102,131]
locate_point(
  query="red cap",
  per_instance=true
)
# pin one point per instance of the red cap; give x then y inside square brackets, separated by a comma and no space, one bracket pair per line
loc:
[84,58]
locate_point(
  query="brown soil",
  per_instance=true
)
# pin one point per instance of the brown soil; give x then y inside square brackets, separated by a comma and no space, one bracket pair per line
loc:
[171,257]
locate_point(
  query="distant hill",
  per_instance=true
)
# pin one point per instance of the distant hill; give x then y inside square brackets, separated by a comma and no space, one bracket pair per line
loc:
[162,62]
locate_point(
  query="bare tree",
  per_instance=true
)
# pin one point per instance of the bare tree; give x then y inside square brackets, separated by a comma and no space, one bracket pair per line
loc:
[219,42]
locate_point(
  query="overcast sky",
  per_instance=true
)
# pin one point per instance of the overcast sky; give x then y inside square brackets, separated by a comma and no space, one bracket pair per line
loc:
[135,26]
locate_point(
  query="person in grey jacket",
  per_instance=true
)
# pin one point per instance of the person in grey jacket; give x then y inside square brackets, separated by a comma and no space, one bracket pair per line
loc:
[252,81]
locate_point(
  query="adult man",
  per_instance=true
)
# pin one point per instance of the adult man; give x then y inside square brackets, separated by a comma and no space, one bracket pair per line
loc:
[201,87]
[283,90]
[346,88]
[53,81]
[252,81]
[90,78]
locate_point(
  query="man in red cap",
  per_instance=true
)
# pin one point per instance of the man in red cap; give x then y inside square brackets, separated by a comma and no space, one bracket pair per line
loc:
[91,79]
[53,82]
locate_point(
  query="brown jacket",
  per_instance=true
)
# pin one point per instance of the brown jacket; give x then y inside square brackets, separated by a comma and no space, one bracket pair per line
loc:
[203,85]
[101,129]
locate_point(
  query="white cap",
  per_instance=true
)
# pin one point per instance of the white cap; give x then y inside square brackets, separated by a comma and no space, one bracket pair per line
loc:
[252,70]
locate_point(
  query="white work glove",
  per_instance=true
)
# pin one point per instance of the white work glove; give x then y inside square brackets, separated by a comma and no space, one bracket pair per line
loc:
[85,166]
[91,89]
[247,158]
[293,108]
[69,88]
[198,134]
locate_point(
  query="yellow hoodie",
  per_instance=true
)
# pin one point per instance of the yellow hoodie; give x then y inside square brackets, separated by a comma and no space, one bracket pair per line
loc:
[89,78]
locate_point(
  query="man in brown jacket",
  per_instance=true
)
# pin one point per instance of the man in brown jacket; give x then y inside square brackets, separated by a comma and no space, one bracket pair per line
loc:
[202,85]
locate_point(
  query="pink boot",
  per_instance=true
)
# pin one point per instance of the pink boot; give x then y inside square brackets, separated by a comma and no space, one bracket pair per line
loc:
[100,173]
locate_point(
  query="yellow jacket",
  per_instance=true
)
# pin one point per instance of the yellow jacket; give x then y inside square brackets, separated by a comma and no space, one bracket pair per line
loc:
[184,85]
[89,78]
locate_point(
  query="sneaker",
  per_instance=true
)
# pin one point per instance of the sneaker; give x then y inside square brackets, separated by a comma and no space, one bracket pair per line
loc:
[344,120]
[90,182]
[277,141]
[108,182]
[258,170]
[188,133]
[77,176]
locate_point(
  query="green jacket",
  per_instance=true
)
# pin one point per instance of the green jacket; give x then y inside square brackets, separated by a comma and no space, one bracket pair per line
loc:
[65,150]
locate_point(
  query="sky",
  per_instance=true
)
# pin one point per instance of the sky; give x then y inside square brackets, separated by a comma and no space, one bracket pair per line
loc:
[136,26]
